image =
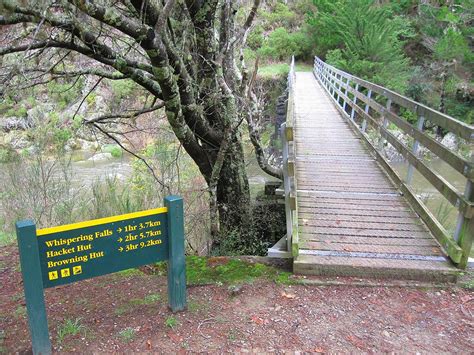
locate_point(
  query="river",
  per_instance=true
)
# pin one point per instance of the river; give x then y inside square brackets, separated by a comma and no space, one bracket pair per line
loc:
[86,172]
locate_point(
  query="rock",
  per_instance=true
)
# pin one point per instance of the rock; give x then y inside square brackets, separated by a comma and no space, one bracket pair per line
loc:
[450,141]
[86,145]
[234,290]
[101,157]
[386,334]
[39,113]
[75,109]
[73,144]
[8,124]
[16,139]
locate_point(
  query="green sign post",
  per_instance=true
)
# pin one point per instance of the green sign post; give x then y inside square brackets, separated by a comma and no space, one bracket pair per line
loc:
[64,254]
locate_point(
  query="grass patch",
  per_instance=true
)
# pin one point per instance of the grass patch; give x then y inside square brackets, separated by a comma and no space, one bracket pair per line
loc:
[303,67]
[195,306]
[136,302]
[6,238]
[468,280]
[70,327]
[274,70]
[201,270]
[171,322]
[281,69]
[127,334]
[130,272]
[20,312]
[113,149]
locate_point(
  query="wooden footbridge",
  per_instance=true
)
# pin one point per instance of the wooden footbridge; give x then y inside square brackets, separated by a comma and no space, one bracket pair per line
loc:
[348,211]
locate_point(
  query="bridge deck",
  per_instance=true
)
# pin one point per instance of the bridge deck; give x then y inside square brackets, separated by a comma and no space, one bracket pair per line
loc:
[352,220]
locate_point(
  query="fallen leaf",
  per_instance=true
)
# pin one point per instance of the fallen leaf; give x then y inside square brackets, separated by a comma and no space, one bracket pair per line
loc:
[288,295]
[356,341]
[319,350]
[259,320]
[148,344]
[174,337]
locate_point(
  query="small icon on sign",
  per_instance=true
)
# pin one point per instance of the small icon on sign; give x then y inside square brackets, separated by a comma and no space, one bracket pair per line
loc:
[65,273]
[119,230]
[76,270]
[53,275]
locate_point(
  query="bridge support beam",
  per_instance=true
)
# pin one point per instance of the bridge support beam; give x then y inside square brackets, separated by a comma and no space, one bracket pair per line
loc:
[416,148]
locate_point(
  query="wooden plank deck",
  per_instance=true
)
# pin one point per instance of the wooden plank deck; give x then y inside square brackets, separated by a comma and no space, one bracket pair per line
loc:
[352,220]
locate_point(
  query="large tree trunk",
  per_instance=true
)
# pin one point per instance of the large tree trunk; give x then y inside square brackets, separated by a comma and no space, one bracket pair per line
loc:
[233,193]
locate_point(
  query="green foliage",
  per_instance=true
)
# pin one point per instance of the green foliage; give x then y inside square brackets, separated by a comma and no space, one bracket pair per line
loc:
[63,92]
[278,16]
[222,270]
[130,272]
[136,303]
[69,327]
[113,149]
[363,39]
[122,88]
[281,45]
[255,38]
[109,198]
[274,70]
[8,154]
[171,322]
[453,45]
[6,238]
[20,312]
[91,98]
[127,334]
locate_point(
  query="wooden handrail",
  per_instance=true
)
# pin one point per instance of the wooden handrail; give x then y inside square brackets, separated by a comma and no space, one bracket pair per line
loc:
[289,170]
[347,91]
[449,123]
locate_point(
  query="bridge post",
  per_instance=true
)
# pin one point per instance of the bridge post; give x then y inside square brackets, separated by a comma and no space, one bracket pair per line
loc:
[416,147]
[286,184]
[384,124]
[331,88]
[345,93]
[364,122]
[464,232]
[355,102]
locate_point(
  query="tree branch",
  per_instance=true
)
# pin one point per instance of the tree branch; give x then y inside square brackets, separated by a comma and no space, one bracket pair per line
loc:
[129,115]
[113,18]
[149,167]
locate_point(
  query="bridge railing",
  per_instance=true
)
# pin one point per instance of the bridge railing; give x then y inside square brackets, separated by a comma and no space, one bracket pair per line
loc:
[372,107]
[289,179]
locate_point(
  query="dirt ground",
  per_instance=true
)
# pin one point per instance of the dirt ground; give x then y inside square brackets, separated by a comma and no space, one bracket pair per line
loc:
[127,312]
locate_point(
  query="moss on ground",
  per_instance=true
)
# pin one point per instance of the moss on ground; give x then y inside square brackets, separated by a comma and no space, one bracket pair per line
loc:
[222,270]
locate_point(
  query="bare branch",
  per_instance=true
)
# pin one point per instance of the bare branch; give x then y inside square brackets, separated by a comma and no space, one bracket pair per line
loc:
[149,167]
[129,115]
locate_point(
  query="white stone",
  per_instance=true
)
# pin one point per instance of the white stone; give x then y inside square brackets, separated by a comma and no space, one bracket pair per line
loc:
[101,157]
[450,141]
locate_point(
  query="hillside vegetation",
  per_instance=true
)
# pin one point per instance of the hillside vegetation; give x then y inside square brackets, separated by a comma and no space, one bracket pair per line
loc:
[423,49]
